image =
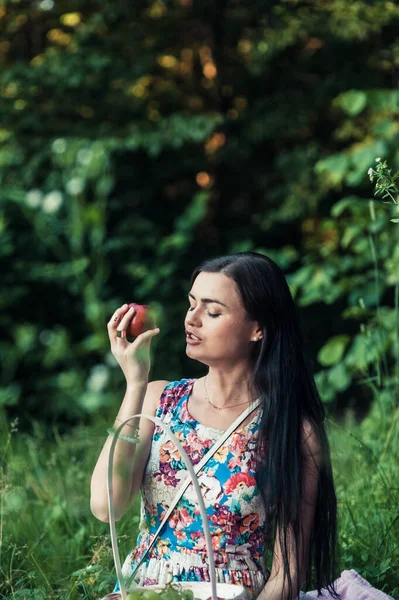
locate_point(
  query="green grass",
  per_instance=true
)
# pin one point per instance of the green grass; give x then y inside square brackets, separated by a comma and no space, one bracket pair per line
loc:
[365,461]
[52,547]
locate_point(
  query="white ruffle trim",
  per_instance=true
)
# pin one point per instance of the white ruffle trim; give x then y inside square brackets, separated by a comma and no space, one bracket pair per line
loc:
[190,567]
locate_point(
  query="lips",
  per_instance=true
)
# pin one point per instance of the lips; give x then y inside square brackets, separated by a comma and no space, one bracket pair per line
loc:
[190,333]
[192,341]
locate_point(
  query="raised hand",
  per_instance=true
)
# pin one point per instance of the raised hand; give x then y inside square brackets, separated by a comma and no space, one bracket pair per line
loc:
[133,357]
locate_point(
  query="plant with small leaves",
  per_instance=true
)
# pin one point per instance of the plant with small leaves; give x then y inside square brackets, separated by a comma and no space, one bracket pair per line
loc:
[385,183]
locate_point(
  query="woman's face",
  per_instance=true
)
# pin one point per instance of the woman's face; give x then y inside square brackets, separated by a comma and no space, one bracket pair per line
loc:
[217,317]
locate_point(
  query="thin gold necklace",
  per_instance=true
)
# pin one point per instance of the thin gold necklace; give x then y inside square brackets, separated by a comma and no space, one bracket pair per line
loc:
[222,407]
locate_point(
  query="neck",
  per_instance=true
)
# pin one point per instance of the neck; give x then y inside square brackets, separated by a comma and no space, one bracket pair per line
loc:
[226,388]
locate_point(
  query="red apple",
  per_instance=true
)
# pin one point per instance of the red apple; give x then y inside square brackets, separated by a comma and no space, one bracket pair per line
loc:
[143,320]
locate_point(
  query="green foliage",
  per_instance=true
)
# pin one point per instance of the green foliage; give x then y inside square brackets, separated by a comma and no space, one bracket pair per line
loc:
[130,152]
[385,185]
[352,102]
[366,495]
[52,546]
[332,352]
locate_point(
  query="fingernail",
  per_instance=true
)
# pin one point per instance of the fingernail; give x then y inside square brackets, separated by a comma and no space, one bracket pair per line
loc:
[124,306]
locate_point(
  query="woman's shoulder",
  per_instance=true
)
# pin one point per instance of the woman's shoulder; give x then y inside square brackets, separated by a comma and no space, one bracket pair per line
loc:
[172,393]
[178,385]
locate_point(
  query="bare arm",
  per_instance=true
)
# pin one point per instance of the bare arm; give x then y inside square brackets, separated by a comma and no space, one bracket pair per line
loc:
[273,589]
[129,460]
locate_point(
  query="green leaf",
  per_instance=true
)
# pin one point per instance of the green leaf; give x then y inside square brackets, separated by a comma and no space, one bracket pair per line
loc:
[194,213]
[352,102]
[10,395]
[365,349]
[332,352]
[361,156]
[55,271]
[325,389]
[383,100]
[339,378]
[86,570]
[351,232]
[353,204]
[334,167]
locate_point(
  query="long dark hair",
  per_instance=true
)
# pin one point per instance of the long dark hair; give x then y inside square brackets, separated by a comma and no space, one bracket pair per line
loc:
[282,376]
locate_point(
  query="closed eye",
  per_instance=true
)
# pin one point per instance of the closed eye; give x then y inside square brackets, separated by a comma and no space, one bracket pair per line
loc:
[210,314]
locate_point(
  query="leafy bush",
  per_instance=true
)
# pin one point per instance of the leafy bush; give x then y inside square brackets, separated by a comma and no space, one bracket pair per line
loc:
[139,139]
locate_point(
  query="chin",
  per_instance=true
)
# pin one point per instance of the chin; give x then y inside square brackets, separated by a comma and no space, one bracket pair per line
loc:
[194,356]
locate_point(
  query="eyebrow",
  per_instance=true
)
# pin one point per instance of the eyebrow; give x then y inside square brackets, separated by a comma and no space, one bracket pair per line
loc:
[207,300]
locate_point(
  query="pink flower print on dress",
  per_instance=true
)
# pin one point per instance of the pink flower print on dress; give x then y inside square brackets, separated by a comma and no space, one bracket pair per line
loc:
[235,462]
[222,515]
[200,543]
[239,480]
[180,535]
[152,509]
[168,452]
[195,455]
[249,523]
[184,415]
[181,519]
[238,443]
[164,509]
[167,475]
[193,441]
[216,544]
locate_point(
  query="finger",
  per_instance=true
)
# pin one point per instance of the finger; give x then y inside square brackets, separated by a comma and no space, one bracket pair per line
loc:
[116,317]
[120,331]
[146,336]
[126,318]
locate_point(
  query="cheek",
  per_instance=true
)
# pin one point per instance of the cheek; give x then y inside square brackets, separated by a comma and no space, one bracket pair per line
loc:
[223,325]
[232,335]
[228,333]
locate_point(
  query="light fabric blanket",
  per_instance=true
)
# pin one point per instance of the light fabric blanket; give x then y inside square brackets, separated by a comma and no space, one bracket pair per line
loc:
[351,586]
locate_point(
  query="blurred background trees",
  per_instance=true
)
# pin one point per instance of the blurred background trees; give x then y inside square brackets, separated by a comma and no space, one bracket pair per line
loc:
[138,139]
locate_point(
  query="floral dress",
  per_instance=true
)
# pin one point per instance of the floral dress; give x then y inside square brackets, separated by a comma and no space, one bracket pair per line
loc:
[232,500]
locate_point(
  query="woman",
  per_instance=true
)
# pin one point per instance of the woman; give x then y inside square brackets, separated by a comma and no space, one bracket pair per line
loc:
[270,486]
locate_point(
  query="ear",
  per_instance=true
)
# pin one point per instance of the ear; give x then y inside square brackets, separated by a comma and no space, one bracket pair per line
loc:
[257,335]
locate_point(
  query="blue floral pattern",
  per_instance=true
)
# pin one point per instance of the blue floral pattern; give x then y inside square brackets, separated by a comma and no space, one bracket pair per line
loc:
[232,499]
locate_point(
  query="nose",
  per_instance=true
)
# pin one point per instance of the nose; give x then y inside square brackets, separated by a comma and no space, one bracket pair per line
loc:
[193,318]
